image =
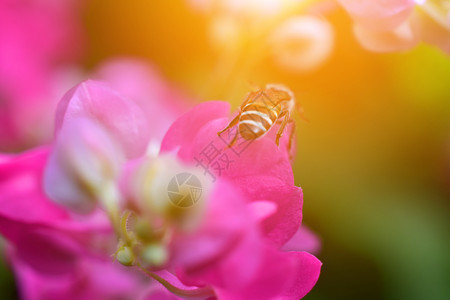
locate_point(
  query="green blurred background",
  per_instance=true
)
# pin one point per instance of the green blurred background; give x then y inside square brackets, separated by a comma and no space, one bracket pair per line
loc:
[373,160]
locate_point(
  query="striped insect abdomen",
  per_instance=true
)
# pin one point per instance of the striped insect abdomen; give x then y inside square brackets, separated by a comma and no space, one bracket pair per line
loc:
[256,120]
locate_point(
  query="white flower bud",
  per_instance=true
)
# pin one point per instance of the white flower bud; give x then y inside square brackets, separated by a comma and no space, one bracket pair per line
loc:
[125,256]
[154,255]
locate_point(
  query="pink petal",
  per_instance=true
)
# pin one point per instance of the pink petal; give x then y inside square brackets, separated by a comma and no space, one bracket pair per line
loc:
[37,38]
[20,189]
[225,242]
[161,102]
[22,199]
[185,128]
[123,119]
[283,224]
[284,276]
[89,279]
[303,240]
[261,210]
[47,237]
[307,271]
[46,251]
[402,38]
[85,160]
[379,15]
[432,28]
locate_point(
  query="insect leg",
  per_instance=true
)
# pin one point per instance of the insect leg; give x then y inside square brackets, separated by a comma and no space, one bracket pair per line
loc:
[291,137]
[279,119]
[233,140]
[282,126]
[232,123]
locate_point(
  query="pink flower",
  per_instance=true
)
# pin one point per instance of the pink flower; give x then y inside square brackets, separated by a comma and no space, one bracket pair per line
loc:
[38,39]
[386,26]
[262,171]
[70,253]
[208,234]
[55,254]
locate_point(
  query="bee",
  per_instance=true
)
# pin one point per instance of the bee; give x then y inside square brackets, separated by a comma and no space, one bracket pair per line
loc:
[261,110]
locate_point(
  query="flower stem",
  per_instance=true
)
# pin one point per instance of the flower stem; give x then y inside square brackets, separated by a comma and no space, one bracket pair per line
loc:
[199,293]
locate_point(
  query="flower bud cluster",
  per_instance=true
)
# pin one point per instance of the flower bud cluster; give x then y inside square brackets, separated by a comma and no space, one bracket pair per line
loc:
[149,215]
